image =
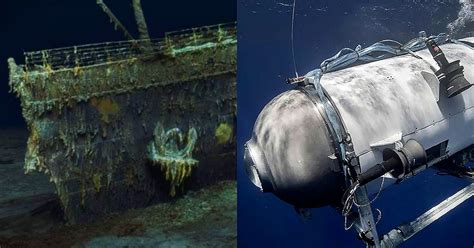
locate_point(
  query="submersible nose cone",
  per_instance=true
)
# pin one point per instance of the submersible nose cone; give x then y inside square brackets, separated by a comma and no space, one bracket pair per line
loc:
[292,153]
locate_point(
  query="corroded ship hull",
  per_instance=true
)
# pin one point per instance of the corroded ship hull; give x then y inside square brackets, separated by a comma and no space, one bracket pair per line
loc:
[120,125]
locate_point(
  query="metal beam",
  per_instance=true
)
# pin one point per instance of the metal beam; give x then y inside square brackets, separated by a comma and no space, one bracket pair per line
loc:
[402,233]
[366,217]
[114,19]
[140,19]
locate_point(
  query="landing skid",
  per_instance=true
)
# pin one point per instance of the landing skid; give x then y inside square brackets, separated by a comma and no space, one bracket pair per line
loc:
[402,233]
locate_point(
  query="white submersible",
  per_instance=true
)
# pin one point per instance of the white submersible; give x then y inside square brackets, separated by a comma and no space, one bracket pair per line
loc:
[397,110]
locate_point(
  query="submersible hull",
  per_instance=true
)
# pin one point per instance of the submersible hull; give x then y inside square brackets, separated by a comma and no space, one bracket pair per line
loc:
[119,125]
[381,105]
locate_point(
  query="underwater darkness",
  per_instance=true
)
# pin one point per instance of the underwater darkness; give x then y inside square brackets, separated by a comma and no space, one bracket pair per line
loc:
[29,25]
[322,28]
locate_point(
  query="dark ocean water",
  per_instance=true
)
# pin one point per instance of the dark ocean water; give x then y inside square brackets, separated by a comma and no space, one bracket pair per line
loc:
[29,25]
[322,28]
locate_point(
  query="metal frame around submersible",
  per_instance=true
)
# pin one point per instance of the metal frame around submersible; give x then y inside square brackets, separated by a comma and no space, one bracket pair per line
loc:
[344,153]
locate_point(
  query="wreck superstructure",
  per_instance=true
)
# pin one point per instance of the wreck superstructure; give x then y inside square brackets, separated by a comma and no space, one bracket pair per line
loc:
[118,125]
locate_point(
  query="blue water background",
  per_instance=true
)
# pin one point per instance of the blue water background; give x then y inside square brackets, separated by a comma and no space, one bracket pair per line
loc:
[264,63]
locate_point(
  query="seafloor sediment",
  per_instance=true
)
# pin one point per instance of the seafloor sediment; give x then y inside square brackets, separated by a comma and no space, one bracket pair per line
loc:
[206,218]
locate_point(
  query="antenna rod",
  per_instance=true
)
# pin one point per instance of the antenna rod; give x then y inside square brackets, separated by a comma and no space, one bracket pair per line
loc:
[292,37]
[113,19]
[140,19]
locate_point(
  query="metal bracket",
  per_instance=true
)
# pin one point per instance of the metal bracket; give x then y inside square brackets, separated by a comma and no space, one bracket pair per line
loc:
[300,81]
[433,82]
[393,142]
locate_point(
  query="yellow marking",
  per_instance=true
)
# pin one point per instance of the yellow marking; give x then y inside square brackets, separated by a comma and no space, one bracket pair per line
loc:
[223,133]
